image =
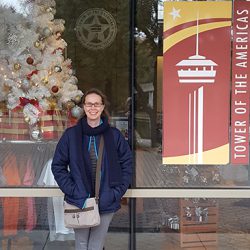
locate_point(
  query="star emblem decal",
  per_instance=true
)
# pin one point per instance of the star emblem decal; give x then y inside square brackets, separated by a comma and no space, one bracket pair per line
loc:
[175,13]
[95,29]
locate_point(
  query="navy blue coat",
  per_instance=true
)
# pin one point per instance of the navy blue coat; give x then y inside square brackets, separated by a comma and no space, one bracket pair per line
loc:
[67,167]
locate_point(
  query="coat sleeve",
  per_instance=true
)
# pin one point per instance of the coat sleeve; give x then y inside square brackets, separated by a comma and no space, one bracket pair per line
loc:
[60,166]
[125,158]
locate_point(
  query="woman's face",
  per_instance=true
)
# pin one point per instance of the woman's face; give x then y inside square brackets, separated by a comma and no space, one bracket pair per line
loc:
[93,107]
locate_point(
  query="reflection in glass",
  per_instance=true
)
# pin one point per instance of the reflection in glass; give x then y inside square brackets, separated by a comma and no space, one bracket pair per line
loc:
[192,223]
[24,163]
[37,223]
[150,172]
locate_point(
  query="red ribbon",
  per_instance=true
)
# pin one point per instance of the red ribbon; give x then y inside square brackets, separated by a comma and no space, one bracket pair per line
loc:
[31,74]
[24,101]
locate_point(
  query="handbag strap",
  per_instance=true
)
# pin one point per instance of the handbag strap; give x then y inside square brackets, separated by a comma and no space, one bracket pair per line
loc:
[98,169]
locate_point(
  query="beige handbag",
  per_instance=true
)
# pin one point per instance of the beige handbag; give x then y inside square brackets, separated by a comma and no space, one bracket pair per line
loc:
[88,216]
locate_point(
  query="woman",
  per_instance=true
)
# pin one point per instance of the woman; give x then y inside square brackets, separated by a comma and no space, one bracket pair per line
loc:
[78,149]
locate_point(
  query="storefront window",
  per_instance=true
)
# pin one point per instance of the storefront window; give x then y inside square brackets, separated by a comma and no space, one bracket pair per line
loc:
[37,223]
[192,223]
[127,63]
[149,96]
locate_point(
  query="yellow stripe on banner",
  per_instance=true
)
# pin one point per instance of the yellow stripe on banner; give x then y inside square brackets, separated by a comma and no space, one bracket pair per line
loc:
[185,33]
[188,11]
[215,156]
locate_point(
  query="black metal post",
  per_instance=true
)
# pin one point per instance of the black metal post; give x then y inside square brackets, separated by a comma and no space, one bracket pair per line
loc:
[132,207]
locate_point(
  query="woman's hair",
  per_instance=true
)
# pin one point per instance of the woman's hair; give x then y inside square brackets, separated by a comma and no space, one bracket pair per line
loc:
[105,112]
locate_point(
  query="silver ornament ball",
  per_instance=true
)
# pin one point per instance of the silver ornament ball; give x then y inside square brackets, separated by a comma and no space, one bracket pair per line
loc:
[57,68]
[73,80]
[47,31]
[25,83]
[76,112]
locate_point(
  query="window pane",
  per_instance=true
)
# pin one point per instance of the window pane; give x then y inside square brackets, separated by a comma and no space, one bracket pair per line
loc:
[192,223]
[26,164]
[97,33]
[150,171]
[37,223]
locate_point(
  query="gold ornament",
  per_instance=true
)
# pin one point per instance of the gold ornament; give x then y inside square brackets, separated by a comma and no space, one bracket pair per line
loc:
[77,98]
[27,119]
[52,105]
[45,80]
[37,44]
[17,66]
[70,105]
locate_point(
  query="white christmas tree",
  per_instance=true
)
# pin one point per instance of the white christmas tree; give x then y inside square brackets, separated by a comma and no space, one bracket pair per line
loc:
[34,75]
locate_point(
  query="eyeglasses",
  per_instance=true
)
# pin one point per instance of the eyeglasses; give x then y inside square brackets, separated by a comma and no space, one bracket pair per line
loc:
[95,104]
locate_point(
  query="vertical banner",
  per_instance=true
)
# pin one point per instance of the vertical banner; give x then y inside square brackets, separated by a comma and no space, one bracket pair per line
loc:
[196,82]
[240,84]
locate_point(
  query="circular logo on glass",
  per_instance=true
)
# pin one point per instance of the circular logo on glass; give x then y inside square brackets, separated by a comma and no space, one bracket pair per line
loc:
[96,29]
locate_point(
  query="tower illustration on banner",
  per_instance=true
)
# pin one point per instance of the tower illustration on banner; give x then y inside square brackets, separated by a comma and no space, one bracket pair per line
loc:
[196,70]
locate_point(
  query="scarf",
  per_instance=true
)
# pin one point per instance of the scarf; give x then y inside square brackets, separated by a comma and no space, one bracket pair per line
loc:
[114,171]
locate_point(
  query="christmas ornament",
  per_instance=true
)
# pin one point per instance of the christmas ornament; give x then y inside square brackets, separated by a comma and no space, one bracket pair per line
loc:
[57,68]
[54,89]
[49,9]
[37,44]
[188,213]
[17,66]
[47,31]
[45,80]
[77,99]
[76,112]
[36,133]
[73,80]
[27,119]
[58,35]
[70,104]
[52,105]
[25,83]
[30,60]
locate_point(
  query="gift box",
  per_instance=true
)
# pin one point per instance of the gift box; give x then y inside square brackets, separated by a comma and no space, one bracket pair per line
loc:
[13,126]
[52,124]
[70,121]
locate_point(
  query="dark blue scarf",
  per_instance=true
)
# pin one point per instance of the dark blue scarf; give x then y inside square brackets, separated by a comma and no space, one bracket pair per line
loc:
[115,174]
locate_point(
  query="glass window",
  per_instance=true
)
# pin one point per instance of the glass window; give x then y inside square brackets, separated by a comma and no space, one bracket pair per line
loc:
[98,34]
[192,223]
[37,223]
[150,171]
